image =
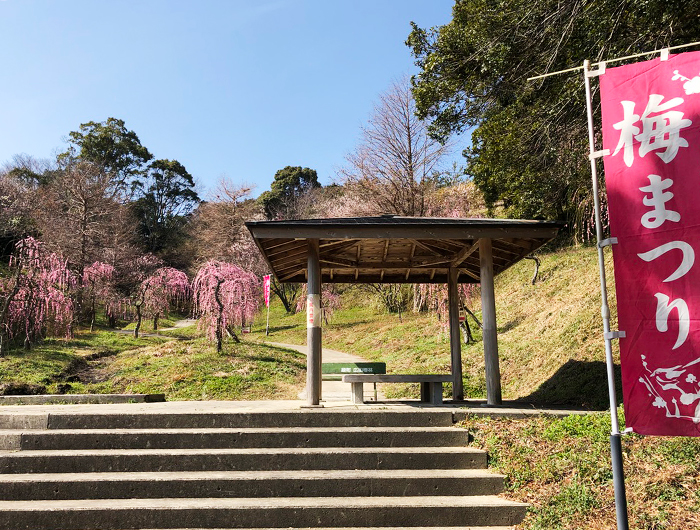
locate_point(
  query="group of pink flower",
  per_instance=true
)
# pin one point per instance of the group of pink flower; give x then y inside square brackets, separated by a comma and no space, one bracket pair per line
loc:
[41,295]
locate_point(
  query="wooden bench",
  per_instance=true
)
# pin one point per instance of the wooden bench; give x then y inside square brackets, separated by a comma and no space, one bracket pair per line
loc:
[430,384]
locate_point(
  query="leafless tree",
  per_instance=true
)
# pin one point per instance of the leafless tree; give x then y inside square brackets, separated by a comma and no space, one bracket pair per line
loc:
[396,161]
[79,215]
[218,232]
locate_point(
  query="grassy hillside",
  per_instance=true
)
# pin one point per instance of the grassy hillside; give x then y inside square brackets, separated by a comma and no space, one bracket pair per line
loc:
[180,363]
[550,333]
[562,468]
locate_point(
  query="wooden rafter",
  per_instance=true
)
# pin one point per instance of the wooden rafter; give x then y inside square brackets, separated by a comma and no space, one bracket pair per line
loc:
[339,261]
[463,254]
[469,273]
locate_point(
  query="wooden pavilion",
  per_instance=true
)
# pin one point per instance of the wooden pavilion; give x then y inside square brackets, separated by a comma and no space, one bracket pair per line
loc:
[393,249]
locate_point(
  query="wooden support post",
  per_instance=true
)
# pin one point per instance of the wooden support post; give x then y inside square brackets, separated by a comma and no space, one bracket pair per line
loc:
[488,309]
[455,342]
[313,326]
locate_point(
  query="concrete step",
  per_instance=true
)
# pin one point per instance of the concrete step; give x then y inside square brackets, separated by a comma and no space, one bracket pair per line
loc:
[132,460]
[299,512]
[239,438]
[92,399]
[118,417]
[344,483]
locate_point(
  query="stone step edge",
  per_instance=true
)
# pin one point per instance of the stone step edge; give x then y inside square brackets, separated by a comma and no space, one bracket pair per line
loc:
[225,430]
[237,484]
[83,399]
[258,503]
[220,437]
[247,512]
[241,451]
[318,474]
[154,416]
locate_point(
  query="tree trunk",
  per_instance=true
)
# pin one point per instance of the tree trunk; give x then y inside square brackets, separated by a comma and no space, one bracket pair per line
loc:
[155,322]
[232,333]
[287,294]
[93,313]
[4,311]
[537,267]
[219,318]
[468,338]
[138,321]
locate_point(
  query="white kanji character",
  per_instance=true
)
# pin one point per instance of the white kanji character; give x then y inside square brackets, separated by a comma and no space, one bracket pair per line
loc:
[659,214]
[663,309]
[628,130]
[660,130]
[686,263]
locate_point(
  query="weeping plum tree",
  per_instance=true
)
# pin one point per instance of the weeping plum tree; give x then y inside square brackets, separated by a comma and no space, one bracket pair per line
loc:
[97,286]
[225,296]
[434,297]
[157,292]
[35,298]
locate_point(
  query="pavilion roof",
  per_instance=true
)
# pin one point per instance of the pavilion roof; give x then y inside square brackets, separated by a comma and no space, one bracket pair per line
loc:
[394,249]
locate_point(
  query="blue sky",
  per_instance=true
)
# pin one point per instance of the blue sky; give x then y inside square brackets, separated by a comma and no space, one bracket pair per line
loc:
[239,88]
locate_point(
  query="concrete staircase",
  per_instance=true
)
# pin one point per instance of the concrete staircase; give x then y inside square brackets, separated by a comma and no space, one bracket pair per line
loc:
[298,469]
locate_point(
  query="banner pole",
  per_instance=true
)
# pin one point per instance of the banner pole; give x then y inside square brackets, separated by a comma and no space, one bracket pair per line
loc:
[615,436]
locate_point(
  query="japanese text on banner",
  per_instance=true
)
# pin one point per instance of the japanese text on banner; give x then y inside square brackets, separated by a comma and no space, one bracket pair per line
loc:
[651,126]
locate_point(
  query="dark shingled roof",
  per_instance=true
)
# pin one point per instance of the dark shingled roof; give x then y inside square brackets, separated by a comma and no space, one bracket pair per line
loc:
[393,249]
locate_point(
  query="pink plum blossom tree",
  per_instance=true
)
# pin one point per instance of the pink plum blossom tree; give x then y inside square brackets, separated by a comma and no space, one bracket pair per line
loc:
[434,297]
[35,299]
[98,286]
[224,296]
[166,286]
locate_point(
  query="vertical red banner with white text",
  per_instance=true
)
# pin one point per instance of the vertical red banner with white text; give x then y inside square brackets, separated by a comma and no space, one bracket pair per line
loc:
[266,289]
[651,125]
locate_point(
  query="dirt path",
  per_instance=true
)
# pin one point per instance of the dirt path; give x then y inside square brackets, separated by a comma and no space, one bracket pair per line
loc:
[181,324]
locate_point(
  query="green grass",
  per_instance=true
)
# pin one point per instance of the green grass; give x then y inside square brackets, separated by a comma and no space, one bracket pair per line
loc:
[562,468]
[180,363]
[194,370]
[45,365]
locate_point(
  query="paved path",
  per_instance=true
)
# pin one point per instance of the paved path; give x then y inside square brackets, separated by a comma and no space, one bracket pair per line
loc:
[334,390]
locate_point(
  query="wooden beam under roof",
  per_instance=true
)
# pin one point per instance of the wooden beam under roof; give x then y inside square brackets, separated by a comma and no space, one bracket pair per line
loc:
[341,262]
[425,247]
[338,246]
[463,254]
[287,247]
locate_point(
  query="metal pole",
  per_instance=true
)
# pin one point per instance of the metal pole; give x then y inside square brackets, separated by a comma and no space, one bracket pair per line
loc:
[455,339]
[313,326]
[615,439]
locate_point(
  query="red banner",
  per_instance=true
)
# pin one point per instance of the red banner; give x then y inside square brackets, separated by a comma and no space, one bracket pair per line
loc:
[651,125]
[266,289]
